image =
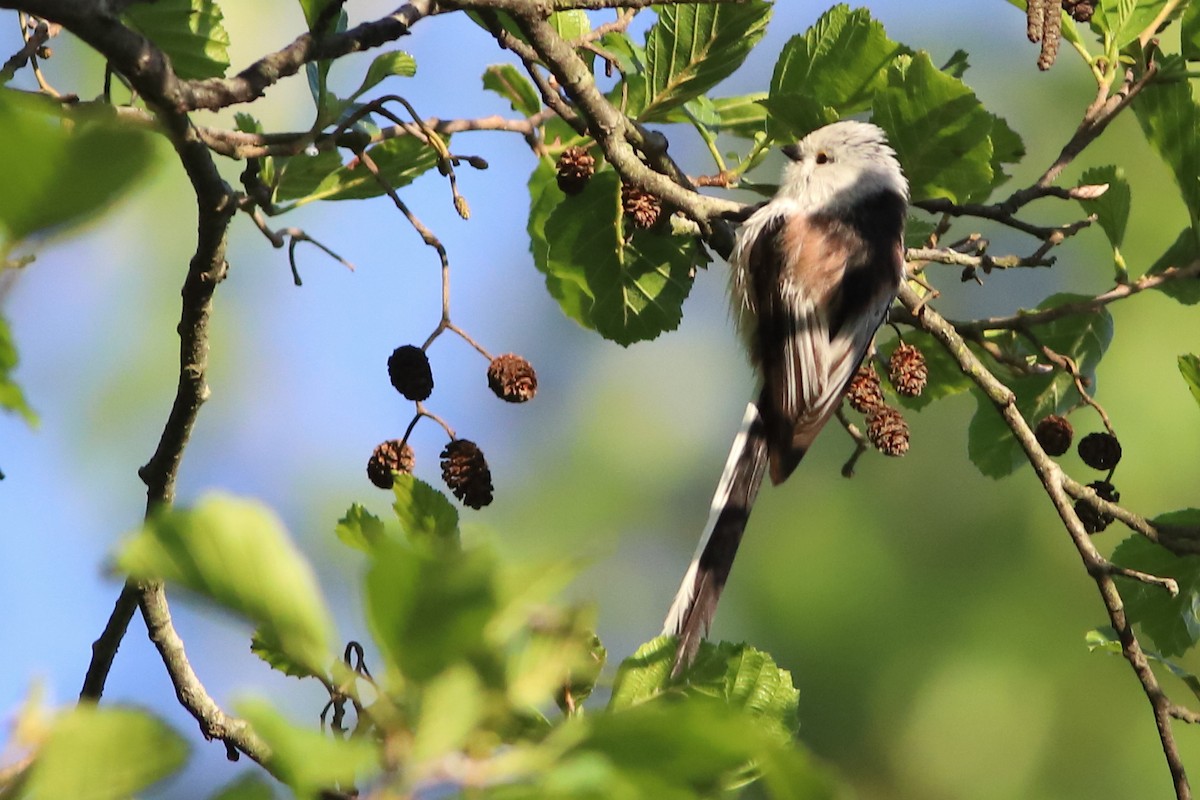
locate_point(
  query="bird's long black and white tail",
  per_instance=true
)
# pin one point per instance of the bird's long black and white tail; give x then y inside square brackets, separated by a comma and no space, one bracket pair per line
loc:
[692,612]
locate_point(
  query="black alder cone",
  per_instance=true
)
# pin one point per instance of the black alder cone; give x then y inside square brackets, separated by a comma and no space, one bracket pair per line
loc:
[1100,450]
[466,473]
[390,456]
[410,372]
[1054,434]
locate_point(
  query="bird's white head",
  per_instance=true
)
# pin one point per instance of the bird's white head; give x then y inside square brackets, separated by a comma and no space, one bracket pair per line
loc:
[837,165]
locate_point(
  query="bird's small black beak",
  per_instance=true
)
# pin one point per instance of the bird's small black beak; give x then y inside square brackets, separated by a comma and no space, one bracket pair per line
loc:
[792,151]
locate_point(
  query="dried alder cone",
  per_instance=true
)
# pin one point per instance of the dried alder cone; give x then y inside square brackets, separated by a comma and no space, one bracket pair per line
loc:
[642,207]
[410,372]
[887,431]
[1093,520]
[1100,450]
[907,370]
[575,167]
[865,394]
[512,378]
[1054,434]
[466,473]
[1080,10]
[390,456]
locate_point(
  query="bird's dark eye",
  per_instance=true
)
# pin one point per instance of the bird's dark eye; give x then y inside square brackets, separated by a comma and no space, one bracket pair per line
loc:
[823,157]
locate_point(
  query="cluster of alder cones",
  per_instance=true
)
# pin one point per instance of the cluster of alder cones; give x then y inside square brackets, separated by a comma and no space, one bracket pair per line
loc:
[575,167]
[887,430]
[464,468]
[1101,451]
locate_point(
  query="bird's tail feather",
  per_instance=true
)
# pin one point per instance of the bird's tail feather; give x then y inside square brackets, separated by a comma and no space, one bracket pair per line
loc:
[692,612]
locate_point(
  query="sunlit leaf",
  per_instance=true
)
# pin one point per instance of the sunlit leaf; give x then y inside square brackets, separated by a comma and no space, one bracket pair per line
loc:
[1124,20]
[1170,119]
[1112,207]
[306,759]
[426,515]
[247,786]
[60,167]
[95,753]
[189,31]
[400,160]
[508,82]
[939,129]
[236,553]
[11,397]
[360,529]
[385,65]
[452,705]
[693,47]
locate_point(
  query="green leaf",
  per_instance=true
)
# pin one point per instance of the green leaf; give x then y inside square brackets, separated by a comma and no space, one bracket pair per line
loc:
[400,160]
[834,69]
[1189,367]
[1183,252]
[360,529]
[62,168]
[312,10]
[1170,120]
[452,706]
[571,24]
[1106,640]
[428,612]
[744,116]
[302,175]
[1082,337]
[95,753]
[247,786]
[188,31]
[1122,21]
[939,129]
[425,514]
[508,82]
[1189,32]
[1112,207]
[691,48]
[628,288]
[11,397]
[1172,623]
[736,674]
[1007,148]
[385,65]
[236,553]
[306,759]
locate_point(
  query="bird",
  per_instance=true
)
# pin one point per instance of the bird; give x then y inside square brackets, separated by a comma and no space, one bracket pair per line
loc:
[813,273]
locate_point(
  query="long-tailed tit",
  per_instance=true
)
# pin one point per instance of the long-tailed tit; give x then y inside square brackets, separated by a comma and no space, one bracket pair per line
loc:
[814,271]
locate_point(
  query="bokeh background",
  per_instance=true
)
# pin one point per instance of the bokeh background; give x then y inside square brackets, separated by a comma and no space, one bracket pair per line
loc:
[932,618]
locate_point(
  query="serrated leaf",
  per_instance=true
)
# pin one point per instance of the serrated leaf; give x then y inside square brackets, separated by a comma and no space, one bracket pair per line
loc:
[360,529]
[1172,623]
[400,160]
[44,150]
[830,71]
[939,129]
[508,82]
[1122,21]
[190,32]
[426,515]
[306,759]
[571,24]
[627,288]
[736,674]
[385,65]
[301,175]
[11,397]
[268,650]
[693,47]
[95,753]
[428,612]
[1189,367]
[1170,120]
[1082,337]
[1183,252]
[1112,207]
[236,553]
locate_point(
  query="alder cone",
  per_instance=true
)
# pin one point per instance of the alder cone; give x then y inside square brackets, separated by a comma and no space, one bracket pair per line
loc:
[1100,450]
[410,373]
[466,473]
[907,370]
[575,168]
[511,378]
[865,393]
[390,456]
[1054,433]
[887,431]
[641,207]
